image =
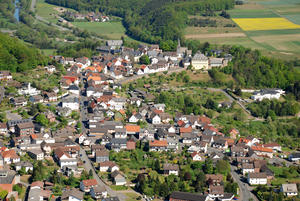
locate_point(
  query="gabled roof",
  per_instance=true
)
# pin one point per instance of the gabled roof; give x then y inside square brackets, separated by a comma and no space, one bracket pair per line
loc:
[261,149]
[90,182]
[158,143]
[184,196]
[132,128]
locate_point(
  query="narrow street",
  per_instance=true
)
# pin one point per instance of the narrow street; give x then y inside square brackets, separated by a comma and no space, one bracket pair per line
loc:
[245,193]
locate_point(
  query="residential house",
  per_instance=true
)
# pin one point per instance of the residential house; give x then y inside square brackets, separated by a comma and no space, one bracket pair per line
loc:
[215,179]
[155,119]
[118,144]
[120,133]
[257,178]
[24,164]
[132,129]
[294,157]
[64,159]
[261,151]
[108,166]
[135,118]
[3,128]
[74,89]
[86,185]
[8,178]
[197,156]
[98,192]
[247,168]
[130,144]
[101,156]
[216,191]
[10,156]
[18,101]
[118,178]
[289,190]
[274,146]
[158,145]
[71,102]
[36,154]
[72,195]
[184,196]
[171,169]
[26,128]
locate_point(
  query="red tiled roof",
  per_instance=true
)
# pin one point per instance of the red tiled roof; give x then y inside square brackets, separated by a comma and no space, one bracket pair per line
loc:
[204,119]
[185,130]
[158,143]
[90,182]
[261,149]
[9,154]
[132,128]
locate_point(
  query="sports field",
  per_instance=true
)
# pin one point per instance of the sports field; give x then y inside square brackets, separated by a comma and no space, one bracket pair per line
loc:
[272,26]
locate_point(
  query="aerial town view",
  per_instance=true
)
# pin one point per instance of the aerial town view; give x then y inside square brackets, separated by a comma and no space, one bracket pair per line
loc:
[151,100]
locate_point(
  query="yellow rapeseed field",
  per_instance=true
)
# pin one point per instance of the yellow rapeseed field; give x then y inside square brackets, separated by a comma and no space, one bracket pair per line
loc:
[254,24]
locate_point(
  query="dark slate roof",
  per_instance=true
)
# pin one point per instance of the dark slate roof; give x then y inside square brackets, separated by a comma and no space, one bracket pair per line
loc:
[188,196]
[118,141]
[73,87]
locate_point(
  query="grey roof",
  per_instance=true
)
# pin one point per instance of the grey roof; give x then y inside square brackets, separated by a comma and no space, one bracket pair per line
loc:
[74,192]
[70,99]
[7,176]
[73,87]
[118,141]
[188,196]
[15,122]
[99,189]
[114,42]
[289,188]
[34,194]
[199,56]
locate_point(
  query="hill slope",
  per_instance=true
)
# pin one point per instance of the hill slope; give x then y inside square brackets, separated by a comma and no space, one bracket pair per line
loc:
[16,56]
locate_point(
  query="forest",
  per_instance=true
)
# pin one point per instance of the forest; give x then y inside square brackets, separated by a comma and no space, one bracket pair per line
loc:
[16,56]
[150,21]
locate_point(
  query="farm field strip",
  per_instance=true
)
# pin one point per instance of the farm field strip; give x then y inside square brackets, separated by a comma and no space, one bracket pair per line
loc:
[252,24]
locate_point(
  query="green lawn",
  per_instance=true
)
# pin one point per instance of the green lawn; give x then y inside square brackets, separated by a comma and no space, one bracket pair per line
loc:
[113,30]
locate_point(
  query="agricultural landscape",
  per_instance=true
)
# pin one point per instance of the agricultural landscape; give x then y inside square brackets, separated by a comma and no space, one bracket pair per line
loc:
[276,34]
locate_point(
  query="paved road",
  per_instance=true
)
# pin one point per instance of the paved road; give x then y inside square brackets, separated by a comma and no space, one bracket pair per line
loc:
[135,77]
[245,193]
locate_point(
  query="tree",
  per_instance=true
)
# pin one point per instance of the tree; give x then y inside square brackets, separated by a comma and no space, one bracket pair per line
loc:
[208,166]
[145,60]
[223,167]
[42,119]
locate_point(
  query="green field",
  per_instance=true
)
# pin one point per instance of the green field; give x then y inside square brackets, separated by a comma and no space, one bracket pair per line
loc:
[112,30]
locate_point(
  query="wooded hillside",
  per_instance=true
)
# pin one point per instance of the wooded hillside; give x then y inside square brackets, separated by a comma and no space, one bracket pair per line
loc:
[16,56]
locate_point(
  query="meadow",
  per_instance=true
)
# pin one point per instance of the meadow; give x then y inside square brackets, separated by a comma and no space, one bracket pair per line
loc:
[112,30]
